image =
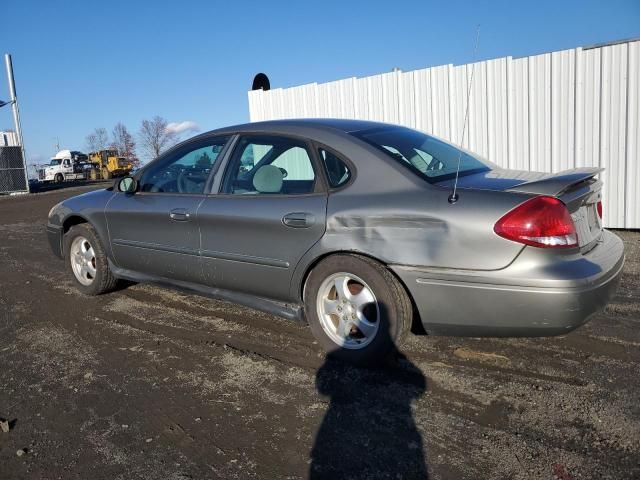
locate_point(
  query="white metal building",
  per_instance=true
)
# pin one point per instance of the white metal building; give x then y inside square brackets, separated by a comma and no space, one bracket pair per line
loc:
[9,139]
[549,112]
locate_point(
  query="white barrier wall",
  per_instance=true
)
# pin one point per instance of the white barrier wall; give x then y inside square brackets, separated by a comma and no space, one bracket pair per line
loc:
[548,112]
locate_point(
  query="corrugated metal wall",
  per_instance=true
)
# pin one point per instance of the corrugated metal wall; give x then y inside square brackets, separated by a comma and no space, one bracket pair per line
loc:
[9,139]
[547,112]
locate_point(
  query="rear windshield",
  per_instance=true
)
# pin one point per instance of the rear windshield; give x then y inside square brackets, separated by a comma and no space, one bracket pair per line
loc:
[427,156]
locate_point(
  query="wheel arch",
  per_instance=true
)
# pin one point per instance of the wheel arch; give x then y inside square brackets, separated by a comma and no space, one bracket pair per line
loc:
[71,220]
[67,223]
[99,228]
[303,281]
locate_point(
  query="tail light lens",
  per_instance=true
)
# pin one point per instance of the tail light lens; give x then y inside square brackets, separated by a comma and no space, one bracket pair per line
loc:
[599,208]
[541,222]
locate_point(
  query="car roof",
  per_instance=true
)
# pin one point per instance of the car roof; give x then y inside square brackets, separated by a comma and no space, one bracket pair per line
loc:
[309,124]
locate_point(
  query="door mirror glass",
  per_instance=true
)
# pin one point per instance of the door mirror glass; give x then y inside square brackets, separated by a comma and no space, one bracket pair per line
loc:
[127,185]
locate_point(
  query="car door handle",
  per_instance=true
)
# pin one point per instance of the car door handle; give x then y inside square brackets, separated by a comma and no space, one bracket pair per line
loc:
[179,214]
[298,220]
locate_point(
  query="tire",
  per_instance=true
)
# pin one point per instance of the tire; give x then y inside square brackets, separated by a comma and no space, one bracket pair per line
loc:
[106,174]
[59,178]
[384,312]
[97,277]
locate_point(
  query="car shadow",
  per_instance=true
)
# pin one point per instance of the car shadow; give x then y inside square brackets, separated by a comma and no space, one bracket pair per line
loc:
[368,430]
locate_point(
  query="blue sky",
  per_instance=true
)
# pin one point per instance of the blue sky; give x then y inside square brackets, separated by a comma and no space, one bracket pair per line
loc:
[86,64]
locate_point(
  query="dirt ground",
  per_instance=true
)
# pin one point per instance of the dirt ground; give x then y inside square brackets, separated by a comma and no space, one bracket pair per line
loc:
[151,383]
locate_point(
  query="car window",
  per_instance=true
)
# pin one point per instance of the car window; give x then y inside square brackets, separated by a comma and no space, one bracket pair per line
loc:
[338,172]
[252,154]
[270,165]
[418,158]
[186,172]
[296,163]
[431,158]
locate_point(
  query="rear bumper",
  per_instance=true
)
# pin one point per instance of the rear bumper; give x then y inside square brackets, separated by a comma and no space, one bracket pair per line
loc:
[539,294]
[54,235]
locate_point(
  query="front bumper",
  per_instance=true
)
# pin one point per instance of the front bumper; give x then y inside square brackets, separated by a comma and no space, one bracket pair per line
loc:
[540,294]
[54,235]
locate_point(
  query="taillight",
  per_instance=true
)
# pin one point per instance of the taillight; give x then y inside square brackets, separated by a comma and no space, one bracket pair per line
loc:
[541,222]
[599,208]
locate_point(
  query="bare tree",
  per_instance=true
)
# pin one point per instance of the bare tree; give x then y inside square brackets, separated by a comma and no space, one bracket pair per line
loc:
[97,140]
[154,138]
[123,142]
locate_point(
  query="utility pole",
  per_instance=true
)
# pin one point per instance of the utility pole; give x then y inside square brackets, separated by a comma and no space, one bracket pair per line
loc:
[16,114]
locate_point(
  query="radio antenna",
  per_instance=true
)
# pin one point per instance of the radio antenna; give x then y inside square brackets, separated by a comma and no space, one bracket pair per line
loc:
[453,198]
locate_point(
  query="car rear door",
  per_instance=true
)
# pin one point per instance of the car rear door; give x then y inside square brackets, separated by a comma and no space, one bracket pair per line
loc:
[154,230]
[269,210]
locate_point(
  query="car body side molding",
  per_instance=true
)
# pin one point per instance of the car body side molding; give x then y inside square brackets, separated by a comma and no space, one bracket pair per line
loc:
[155,246]
[280,309]
[236,257]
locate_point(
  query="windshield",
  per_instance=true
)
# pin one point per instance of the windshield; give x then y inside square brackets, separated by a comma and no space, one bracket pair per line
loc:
[432,159]
[55,161]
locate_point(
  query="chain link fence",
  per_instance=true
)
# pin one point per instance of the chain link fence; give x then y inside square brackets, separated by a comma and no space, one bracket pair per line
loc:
[12,173]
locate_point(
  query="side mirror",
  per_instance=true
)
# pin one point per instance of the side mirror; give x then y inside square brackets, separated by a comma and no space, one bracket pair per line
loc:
[127,185]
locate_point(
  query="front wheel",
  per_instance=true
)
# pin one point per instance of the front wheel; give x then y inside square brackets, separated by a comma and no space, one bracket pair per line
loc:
[59,178]
[357,310]
[87,261]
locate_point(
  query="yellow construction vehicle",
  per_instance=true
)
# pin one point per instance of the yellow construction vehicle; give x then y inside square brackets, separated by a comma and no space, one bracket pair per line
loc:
[107,164]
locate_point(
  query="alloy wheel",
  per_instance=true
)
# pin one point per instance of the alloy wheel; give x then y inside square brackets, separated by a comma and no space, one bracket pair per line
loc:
[348,310]
[83,260]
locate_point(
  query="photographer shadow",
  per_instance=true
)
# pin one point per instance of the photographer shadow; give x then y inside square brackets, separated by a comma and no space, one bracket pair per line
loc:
[368,430]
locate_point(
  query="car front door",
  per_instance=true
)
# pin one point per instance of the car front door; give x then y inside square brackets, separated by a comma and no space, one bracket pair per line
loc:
[154,230]
[269,210]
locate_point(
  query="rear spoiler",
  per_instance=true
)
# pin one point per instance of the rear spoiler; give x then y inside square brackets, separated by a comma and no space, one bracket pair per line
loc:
[557,183]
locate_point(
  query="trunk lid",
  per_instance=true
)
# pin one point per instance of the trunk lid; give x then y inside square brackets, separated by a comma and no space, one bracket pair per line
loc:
[577,188]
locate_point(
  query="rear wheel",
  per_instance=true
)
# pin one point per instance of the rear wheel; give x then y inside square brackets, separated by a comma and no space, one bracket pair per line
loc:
[87,261]
[357,310]
[106,174]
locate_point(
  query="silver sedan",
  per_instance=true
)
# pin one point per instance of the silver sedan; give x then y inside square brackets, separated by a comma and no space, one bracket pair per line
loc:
[361,229]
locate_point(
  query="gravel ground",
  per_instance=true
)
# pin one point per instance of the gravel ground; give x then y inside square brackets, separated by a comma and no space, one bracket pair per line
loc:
[150,383]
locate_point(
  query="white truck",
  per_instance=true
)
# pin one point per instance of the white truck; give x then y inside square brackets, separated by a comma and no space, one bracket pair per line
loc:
[65,165]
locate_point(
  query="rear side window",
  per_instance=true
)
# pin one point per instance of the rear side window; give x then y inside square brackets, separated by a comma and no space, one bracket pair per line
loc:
[270,165]
[297,164]
[338,172]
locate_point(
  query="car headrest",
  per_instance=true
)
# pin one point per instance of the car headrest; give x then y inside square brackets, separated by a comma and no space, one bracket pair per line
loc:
[268,179]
